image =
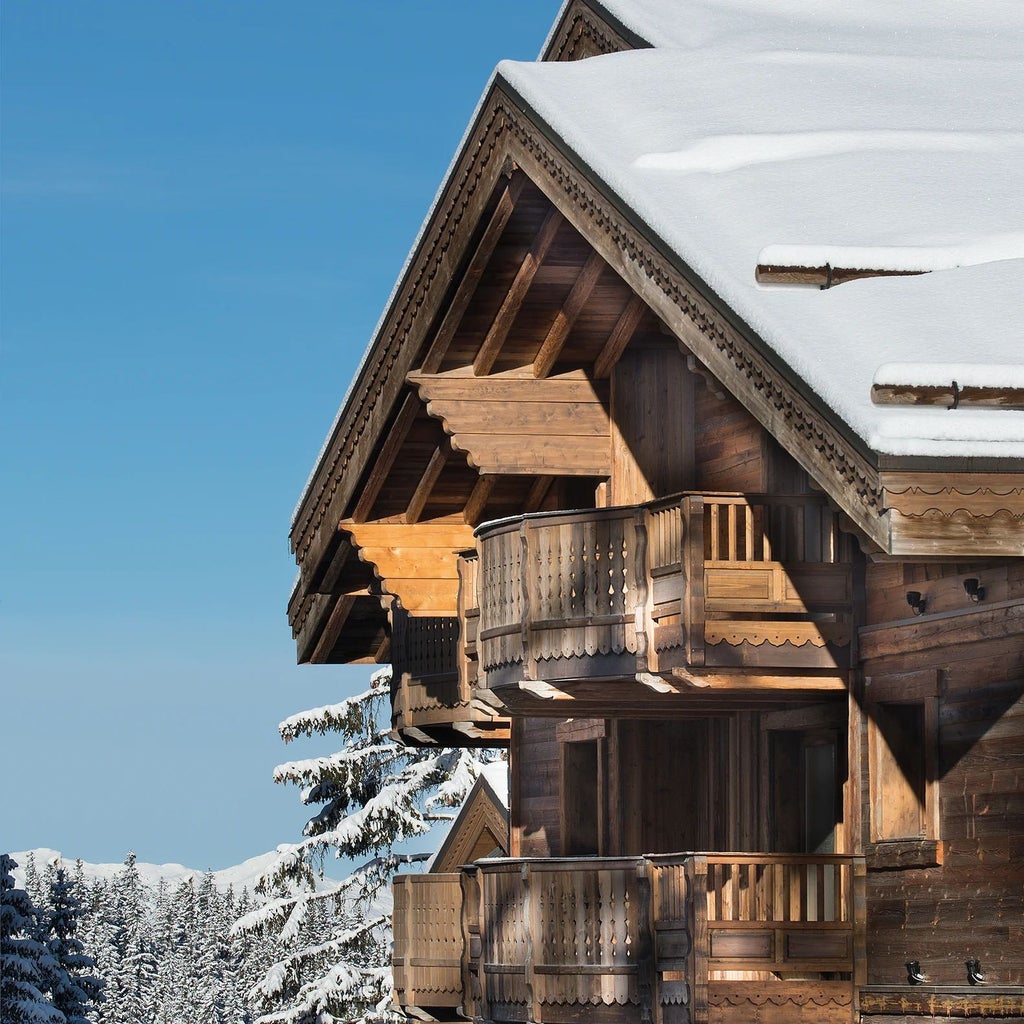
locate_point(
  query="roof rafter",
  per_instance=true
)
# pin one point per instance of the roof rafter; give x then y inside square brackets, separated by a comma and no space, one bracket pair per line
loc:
[427,481]
[551,347]
[502,323]
[622,332]
[477,265]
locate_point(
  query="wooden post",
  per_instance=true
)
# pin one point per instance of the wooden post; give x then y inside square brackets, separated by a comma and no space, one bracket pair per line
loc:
[647,988]
[697,879]
[693,567]
[860,914]
[646,657]
[526,576]
[531,918]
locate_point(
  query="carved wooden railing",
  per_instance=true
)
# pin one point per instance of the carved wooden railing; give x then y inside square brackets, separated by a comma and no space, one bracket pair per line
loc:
[692,582]
[657,939]
[561,587]
[428,942]
[433,697]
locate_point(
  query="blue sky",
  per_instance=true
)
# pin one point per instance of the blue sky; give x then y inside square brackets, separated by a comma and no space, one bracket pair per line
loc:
[205,206]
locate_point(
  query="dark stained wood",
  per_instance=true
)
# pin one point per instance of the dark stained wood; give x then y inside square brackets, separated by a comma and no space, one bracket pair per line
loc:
[386,459]
[622,333]
[499,329]
[961,397]
[551,347]
[478,498]
[822,277]
[427,483]
[470,280]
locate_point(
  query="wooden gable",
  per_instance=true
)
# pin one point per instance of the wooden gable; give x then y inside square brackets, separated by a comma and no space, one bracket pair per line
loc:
[480,829]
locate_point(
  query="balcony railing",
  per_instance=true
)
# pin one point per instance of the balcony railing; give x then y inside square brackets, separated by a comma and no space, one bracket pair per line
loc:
[696,583]
[433,697]
[642,939]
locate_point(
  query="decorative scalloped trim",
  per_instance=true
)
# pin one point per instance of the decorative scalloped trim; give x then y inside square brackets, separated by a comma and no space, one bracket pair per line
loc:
[760,998]
[840,640]
[961,515]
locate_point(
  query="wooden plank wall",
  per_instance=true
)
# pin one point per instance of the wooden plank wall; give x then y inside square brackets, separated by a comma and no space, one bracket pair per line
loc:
[535,784]
[972,905]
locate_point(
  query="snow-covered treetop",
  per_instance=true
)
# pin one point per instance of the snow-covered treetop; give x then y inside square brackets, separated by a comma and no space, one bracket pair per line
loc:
[875,135]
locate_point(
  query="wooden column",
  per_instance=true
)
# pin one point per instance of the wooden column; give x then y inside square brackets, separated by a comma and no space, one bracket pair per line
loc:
[697,883]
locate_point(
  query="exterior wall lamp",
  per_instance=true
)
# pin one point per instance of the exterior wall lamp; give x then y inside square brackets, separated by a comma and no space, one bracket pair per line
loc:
[974,590]
[914,975]
[916,601]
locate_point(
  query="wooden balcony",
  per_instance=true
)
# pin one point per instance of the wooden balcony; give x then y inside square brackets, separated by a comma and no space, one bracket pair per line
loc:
[677,939]
[433,694]
[720,592]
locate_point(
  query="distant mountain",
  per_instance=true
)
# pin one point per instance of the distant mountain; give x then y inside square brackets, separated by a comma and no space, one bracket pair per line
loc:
[240,876]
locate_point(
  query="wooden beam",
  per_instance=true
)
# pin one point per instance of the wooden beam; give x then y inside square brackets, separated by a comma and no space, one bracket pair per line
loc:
[332,630]
[822,277]
[478,498]
[386,459]
[556,337]
[415,562]
[538,492]
[948,396]
[565,419]
[427,482]
[471,279]
[622,332]
[506,314]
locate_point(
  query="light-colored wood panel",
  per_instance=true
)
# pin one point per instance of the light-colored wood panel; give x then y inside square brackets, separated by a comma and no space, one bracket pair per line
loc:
[553,456]
[574,386]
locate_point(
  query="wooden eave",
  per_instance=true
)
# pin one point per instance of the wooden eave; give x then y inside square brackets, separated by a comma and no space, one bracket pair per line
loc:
[508,139]
[588,29]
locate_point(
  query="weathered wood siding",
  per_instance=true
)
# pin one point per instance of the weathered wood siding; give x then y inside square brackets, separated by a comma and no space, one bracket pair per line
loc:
[971,905]
[534,793]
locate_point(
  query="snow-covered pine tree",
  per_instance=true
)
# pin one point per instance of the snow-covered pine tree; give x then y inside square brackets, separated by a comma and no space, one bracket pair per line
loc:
[24,962]
[373,795]
[75,989]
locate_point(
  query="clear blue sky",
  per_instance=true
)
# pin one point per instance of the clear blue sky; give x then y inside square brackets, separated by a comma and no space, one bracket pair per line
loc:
[205,205]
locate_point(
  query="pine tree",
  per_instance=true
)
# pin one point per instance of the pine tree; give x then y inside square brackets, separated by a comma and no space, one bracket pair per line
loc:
[74,988]
[24,962]
[373,794]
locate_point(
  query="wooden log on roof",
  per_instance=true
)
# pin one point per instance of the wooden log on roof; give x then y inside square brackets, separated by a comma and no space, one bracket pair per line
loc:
[950,396]
[823,277]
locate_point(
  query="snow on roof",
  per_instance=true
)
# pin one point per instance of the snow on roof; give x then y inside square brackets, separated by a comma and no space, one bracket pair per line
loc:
[496,776]
[878,132]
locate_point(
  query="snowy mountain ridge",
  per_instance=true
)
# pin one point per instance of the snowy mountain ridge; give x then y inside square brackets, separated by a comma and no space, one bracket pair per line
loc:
[238,876]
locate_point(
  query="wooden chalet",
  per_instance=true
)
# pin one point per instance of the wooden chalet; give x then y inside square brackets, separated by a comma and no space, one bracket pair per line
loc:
[609,494]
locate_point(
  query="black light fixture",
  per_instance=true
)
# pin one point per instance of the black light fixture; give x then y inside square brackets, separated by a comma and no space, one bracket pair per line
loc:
[974,974]
[916,601]
[974,590]
[914,975]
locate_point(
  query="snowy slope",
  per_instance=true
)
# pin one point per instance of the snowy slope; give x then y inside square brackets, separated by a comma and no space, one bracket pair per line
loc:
[804,133]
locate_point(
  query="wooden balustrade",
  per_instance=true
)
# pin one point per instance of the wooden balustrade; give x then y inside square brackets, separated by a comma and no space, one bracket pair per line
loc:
[648,939]
[693,582]
[428,942]
[432,691]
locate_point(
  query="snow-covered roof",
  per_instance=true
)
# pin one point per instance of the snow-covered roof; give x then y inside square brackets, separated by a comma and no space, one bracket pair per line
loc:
[887,134]
[495,775]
